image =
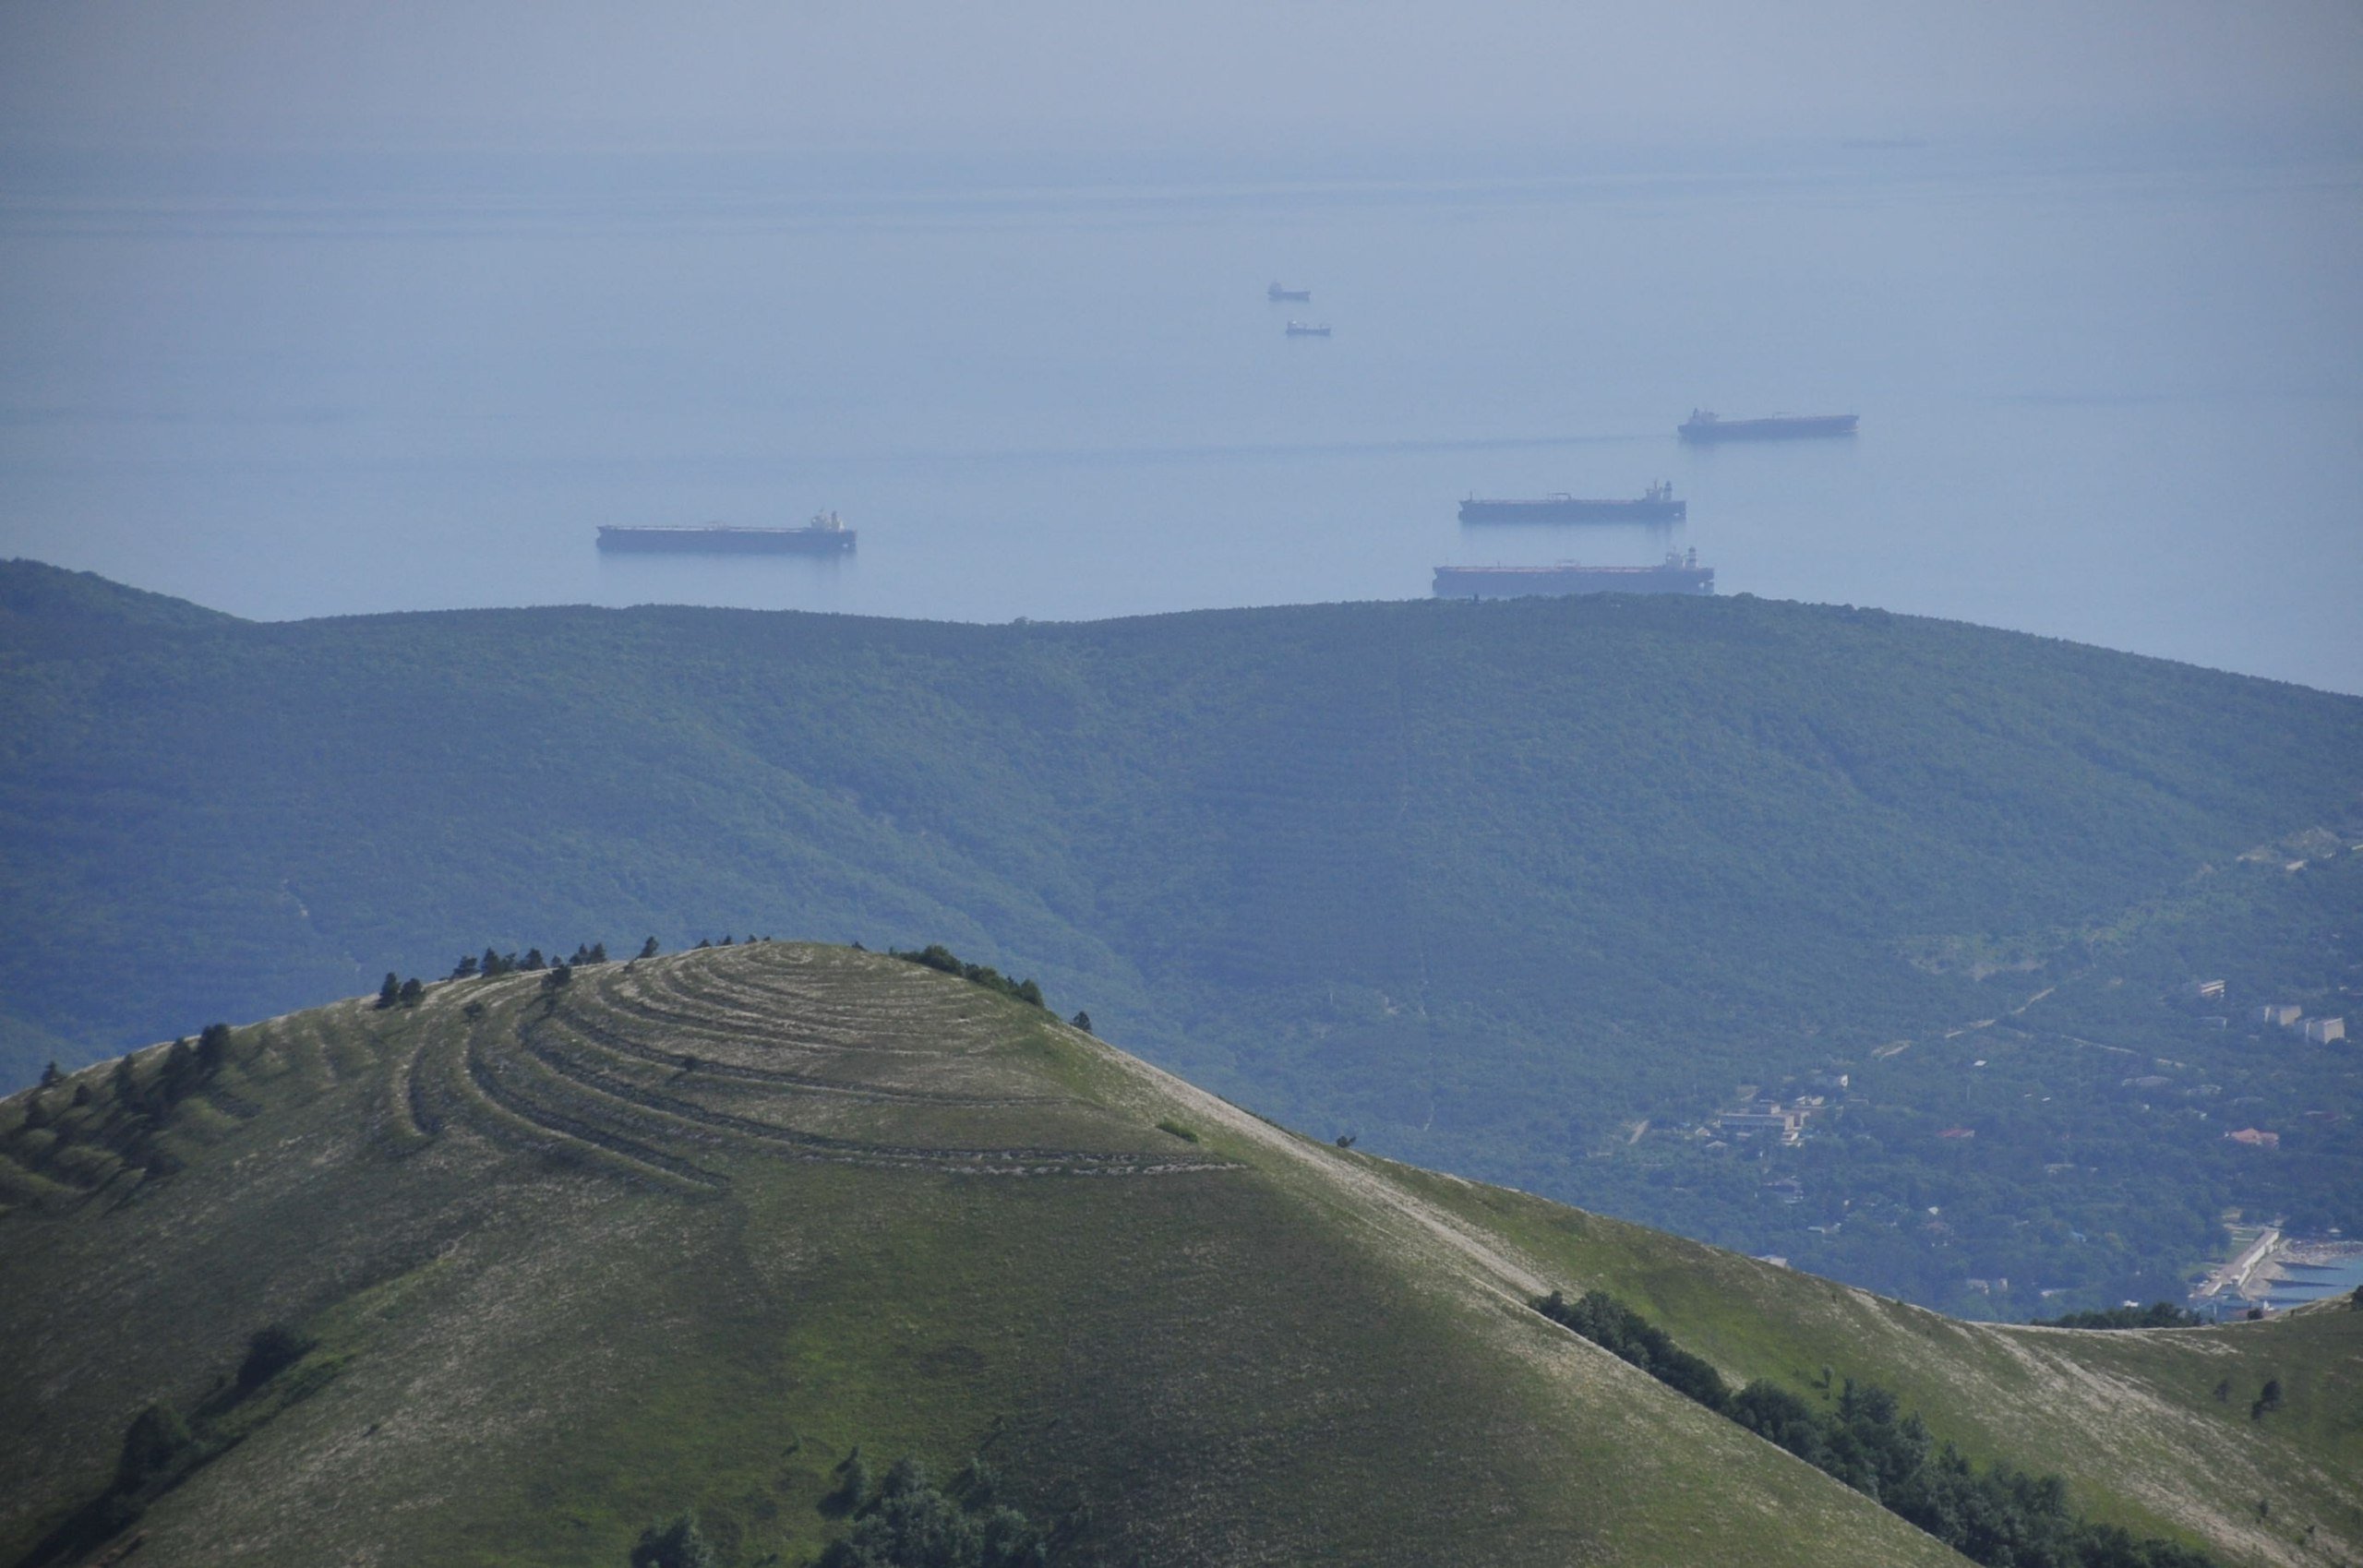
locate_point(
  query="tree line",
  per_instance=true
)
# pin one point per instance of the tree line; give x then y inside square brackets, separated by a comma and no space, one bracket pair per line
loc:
[2157,1315]
[2001,1517]
[935,955]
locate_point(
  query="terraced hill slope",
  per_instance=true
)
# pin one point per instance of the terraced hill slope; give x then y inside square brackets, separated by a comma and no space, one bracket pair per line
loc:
[1526,891]
[686,1232]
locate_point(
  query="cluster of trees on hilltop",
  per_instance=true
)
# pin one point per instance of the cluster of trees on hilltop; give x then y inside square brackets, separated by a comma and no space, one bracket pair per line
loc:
[495,962]
[935,955]
[2000,1516]
[83,1136]
[2157,1315]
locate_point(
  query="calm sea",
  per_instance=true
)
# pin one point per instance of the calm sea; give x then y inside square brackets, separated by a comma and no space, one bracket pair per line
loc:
[2112,399]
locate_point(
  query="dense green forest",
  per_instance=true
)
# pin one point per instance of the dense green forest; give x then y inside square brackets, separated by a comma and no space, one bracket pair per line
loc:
[1528,890]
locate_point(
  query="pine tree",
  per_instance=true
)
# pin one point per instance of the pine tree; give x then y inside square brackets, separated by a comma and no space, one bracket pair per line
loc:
[156,1441]
[598,952]
[677,1544]
[391,991]
[465,969]
[123,1085]
[533,960]
[852,1487]
[50,1075]
[413,993]
[648,947]
[1082,1022]
[271,1351]
[180,1073]
[212,1048]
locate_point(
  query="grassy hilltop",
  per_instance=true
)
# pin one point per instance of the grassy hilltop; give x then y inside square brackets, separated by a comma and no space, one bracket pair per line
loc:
[1524,890]
[686,1232]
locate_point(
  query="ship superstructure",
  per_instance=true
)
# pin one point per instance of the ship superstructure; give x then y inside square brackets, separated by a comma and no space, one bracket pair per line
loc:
[826,535]
[1654,505]
[1679,573]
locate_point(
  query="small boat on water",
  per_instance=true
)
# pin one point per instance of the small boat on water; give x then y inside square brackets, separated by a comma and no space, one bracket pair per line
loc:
[826,535]
[1308,329]
[1704,425]
[1277,293]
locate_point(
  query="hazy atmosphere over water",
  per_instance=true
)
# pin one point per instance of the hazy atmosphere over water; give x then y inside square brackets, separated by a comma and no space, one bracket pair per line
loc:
[316,310]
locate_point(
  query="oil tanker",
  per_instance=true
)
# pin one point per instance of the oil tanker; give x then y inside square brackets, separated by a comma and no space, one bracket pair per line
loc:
[1703,425]
[826,535]
[1679,573]
[1654,505]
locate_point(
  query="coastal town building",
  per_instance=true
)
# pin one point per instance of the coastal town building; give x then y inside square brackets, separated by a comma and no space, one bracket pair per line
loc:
[1786,1125]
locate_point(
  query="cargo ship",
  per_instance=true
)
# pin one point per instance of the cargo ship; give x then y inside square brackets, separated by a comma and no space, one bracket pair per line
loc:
[826,535]
[1680,573]
[1308,329]
[1655,505]
[1276,294]
[1703,425]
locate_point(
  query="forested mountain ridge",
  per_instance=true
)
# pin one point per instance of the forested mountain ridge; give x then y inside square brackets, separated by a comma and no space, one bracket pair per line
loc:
[510,1270]
[1489,885]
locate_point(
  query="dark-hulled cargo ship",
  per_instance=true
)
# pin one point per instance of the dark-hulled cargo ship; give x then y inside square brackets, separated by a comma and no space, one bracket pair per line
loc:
[826,535]
[1680,573]
[1655,505]
[1703,425]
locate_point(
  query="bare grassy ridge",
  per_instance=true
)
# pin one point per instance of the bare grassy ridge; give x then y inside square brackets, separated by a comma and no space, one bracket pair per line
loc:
[687,1230]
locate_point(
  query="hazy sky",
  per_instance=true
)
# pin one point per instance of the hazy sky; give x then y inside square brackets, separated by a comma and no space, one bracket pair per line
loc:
[1211,74]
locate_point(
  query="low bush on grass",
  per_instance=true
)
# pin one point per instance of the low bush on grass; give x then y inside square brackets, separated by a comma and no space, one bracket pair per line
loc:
[163,1448]
[912,1523]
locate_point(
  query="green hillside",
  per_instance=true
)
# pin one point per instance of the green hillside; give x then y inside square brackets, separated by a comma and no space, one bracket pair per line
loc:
[560,1262]
[1528,891]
